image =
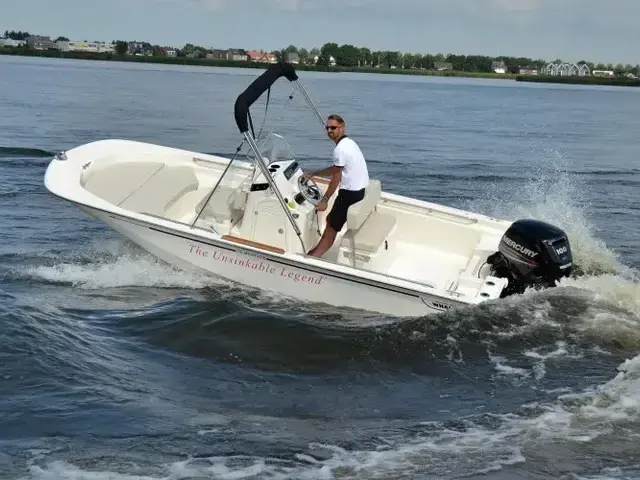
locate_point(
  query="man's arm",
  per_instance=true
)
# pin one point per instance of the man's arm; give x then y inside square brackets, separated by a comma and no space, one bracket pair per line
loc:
[335,170]
[336,176]
[325,171]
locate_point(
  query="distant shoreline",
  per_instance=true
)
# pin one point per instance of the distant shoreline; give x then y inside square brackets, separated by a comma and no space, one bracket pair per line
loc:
[576,80]
[573,80]
[19,51]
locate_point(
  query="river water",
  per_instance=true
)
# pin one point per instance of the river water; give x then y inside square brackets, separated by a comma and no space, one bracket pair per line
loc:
[114,365]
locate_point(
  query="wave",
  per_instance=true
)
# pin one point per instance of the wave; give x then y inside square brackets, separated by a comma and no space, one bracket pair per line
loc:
[24,152]
[605,173]
[521,338]
[601,307]
[110,264]
[553,193]
[572,435]
[9,190]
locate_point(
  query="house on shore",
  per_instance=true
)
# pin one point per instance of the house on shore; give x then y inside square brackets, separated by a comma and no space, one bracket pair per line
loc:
[566,69]
[260,56]
[442,66]
[10,42]
[84,46]
[235,54]
[38,42]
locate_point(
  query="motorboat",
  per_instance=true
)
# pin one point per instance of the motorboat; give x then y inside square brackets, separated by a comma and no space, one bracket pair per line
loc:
[252,219]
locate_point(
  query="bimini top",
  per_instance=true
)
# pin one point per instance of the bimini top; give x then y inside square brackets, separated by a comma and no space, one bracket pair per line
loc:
[257,88]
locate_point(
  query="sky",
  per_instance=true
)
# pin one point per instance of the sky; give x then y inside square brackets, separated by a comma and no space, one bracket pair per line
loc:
[572,30]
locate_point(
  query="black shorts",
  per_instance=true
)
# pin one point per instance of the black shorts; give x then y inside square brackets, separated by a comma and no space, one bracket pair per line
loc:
[338,215]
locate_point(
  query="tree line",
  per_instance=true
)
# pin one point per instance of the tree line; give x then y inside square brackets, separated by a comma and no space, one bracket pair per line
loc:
[19,35]
[351,56]
[347,55]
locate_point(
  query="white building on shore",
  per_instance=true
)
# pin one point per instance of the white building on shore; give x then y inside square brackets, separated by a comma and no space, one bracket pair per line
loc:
[82,46]
[9,42]
[566,69]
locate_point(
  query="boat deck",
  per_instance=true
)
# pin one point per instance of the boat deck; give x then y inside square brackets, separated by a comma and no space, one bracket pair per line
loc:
[427,265]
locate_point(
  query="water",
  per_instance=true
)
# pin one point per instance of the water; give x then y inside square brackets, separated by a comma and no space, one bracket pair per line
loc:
[116,366]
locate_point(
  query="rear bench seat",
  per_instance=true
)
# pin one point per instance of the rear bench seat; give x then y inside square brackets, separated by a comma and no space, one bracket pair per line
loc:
[367,229]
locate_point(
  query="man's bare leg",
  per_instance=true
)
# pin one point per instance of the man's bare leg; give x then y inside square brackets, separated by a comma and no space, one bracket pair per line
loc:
[327,239]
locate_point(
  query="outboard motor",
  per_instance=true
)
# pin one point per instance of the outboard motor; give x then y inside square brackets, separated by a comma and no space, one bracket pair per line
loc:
[531,253]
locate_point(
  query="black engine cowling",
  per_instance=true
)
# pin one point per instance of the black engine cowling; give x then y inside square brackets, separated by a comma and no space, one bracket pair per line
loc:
[531,253]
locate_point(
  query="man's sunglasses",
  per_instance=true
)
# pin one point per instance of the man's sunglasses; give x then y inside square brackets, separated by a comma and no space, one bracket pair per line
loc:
[331,127]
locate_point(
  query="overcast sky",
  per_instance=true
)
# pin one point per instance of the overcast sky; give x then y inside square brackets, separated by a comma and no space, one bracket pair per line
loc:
[573,30]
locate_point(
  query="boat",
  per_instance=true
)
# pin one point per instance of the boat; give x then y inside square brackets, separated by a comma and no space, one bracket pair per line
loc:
[251,218]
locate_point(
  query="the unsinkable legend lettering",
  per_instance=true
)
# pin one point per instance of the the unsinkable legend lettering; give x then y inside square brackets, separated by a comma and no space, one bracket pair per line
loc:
[255,265]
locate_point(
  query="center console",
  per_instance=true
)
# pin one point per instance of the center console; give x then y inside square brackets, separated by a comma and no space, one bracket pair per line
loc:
[265,220]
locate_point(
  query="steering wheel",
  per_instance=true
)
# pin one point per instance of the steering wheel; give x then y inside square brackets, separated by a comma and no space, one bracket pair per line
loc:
[309,190]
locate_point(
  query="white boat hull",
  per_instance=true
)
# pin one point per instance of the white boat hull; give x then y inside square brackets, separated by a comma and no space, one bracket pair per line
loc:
[255,225]
[273,274]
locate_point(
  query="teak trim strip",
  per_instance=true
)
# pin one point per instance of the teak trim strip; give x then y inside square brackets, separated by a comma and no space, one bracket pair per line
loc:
[251,243]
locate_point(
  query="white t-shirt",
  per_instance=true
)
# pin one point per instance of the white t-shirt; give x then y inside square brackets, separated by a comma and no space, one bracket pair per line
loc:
[347,154]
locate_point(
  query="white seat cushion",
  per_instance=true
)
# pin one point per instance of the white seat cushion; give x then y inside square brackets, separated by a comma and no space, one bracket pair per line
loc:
[161,190]
[358,212]
[370,236]
[114,182]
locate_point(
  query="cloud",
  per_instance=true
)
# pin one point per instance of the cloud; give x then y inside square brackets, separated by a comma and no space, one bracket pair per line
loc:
[209,4]
[204,4]
[388,5]
[517,5]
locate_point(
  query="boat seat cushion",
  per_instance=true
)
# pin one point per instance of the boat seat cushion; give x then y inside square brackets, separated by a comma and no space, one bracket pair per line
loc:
[116,181]
[159,192]
[370,236]
[358,212]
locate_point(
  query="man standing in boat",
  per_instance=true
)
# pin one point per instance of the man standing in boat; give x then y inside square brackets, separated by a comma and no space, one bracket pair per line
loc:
[349,172]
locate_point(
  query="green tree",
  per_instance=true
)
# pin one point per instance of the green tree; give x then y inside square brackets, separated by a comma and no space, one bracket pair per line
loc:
[303,53]
[348,56]
[425,61]
[409,61]
[19,35]
[158,51]
[327,51]
[194,51]
[377,58]
[391,59]
[121,47]
[366,57]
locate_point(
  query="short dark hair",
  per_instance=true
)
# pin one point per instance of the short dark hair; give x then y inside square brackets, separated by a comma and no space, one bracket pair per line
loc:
[336,117]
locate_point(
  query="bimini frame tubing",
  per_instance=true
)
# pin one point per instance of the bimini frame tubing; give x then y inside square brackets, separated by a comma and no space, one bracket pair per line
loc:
[242,116]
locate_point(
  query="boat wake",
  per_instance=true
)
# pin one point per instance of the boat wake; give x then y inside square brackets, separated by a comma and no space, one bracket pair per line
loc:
[111,306]
[567,437]
[586,312]
[554,194]
[111,265]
